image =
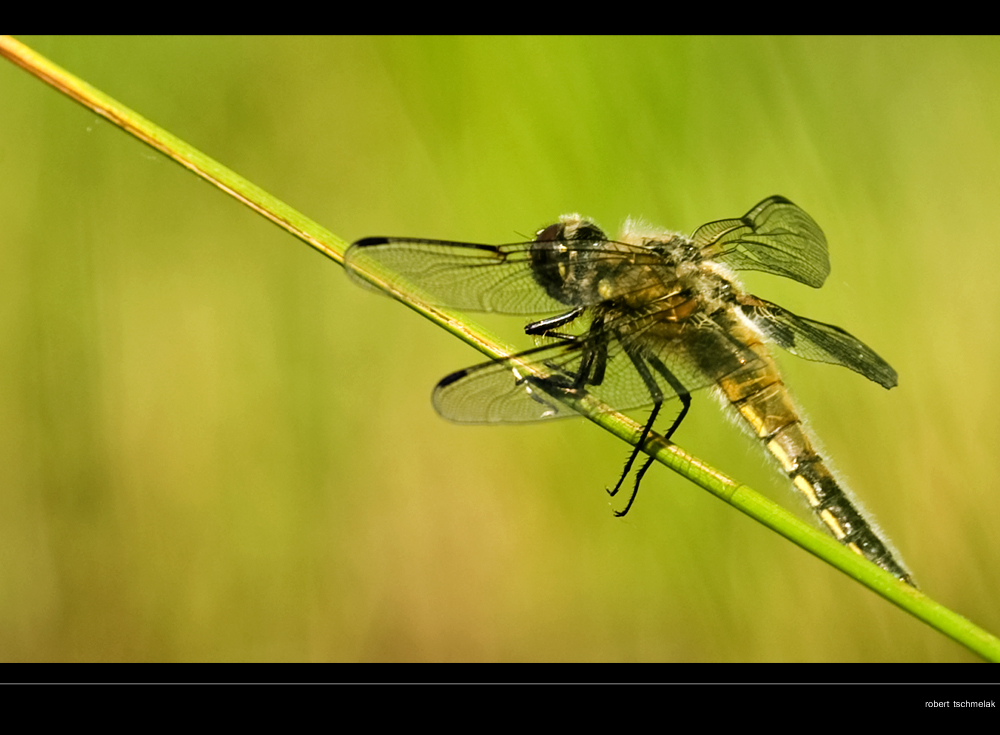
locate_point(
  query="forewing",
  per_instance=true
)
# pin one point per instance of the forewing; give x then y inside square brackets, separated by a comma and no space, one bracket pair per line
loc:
[459,275]
[820,342]
[775,237]
[493,278]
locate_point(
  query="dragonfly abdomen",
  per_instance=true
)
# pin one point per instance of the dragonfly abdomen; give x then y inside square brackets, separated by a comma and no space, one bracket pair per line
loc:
[762,400]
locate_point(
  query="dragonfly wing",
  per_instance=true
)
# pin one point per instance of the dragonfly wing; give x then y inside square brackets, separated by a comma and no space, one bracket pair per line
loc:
[505,279]
[465,276]
[514,390]
[775,237]
[817,341]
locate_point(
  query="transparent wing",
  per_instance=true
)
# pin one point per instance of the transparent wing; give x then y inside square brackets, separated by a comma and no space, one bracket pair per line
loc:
[473,277]
[775,237]
[820,342]
[623,372]
[465,276]
[519,389]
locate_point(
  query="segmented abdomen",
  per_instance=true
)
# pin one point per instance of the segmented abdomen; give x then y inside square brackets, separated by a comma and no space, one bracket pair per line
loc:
[757,393]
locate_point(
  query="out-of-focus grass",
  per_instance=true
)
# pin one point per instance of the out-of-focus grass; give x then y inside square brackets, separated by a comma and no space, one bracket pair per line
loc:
[215,447]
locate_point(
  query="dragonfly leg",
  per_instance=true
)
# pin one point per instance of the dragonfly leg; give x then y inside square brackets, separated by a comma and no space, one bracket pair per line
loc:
[547,327]
[655,391]
[632,457]
[686,401]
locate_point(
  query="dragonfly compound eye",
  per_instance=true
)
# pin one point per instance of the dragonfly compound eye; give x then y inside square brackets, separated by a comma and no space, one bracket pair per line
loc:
[550,233]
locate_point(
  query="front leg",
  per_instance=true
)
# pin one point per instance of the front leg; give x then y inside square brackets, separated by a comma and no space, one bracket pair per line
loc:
[547,327]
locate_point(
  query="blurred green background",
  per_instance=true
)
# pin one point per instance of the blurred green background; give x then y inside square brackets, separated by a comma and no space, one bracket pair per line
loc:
[215,447]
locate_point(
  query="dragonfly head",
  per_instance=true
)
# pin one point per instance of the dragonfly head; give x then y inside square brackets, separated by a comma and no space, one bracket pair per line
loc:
[562,259]
[571,228]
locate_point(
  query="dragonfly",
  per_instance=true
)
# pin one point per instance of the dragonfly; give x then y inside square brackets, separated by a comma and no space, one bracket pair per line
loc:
[648,317]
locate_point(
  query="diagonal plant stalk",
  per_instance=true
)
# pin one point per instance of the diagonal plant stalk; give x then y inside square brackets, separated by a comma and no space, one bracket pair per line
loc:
[738,495]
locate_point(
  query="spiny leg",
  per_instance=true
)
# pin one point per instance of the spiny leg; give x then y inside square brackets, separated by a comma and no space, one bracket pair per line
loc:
[631,460]
[547,327]
[637,448]
[685,398]
[656,395]
[595,351]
